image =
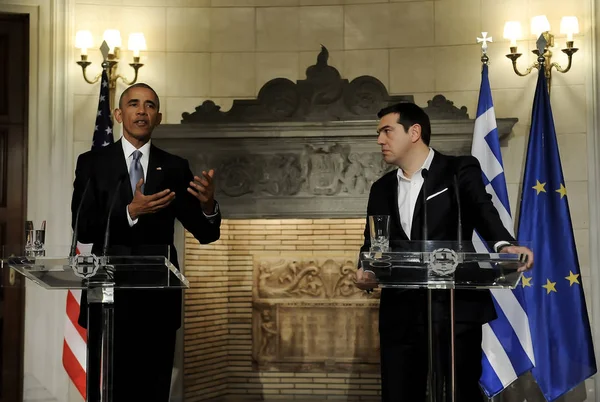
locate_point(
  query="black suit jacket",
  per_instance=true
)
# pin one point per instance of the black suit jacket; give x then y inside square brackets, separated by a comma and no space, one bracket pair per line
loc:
[401,307]
[103,168]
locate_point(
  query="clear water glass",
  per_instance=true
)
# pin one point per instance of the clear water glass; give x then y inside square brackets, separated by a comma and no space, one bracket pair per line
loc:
[379,226]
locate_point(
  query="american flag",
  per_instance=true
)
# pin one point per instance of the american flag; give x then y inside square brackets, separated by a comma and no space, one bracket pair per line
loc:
[75,340]
[103,131]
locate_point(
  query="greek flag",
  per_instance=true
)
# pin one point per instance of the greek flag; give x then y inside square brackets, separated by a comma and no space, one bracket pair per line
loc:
[507,346]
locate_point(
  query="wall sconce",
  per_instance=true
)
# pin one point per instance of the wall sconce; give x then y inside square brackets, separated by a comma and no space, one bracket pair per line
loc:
[110,48]
[540,26]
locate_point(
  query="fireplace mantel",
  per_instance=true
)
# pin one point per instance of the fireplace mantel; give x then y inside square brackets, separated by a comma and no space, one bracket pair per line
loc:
[305,149]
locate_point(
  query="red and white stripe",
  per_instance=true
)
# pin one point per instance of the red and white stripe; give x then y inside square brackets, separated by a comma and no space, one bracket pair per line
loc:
[75,342]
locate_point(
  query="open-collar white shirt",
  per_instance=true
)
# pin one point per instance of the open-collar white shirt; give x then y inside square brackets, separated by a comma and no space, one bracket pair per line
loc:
[408,192]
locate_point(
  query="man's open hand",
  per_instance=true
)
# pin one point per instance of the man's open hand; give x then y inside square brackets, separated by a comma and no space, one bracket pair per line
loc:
[365,280]
[148,204]
[520,250]
[203,189]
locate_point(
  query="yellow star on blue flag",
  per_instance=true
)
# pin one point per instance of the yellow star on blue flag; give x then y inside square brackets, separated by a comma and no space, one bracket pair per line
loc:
[572,278]
[539,187]
[549,286]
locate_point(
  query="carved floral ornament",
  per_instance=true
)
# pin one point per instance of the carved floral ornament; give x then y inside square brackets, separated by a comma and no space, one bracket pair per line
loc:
[309,278]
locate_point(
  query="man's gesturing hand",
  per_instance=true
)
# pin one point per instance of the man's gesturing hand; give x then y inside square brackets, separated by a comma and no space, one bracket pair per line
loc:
[520,250]
[365,280]
[203,189]
[148,204]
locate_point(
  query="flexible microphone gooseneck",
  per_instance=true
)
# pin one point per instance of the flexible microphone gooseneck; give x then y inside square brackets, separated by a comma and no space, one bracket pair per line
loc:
[112,206]
[424,174]
[73,250]
[459,233]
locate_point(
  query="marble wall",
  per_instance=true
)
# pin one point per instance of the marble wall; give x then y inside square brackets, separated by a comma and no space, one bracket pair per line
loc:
[227,49]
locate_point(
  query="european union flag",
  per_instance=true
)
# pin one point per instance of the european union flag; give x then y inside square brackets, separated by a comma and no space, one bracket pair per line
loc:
[554,300]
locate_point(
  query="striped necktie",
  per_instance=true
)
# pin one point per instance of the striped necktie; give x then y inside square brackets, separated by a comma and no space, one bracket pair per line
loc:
[136,171]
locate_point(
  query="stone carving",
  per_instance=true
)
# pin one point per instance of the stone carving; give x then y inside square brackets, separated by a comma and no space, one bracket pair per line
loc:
[323,96]
[268,331]
[309,316]
[365,96]
[323,168]
[308,279]
[440,108]
[319,170]
[260,174]
[304,148]
[237,176]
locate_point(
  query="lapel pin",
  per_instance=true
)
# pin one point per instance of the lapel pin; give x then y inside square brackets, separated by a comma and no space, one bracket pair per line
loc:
[159,168]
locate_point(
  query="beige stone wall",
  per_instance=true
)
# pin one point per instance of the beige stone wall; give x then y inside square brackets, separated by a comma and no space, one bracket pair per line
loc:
[227,49]
[219,337]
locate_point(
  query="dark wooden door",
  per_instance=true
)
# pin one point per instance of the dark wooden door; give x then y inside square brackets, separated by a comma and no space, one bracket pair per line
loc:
[14,76]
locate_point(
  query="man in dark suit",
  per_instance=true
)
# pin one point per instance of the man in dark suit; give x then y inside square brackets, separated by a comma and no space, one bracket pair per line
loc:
[152,189]
[403,133]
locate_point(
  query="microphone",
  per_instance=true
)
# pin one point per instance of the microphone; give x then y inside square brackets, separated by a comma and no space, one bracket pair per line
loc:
[424,174]
[112,206]
[459,233]
[73,251]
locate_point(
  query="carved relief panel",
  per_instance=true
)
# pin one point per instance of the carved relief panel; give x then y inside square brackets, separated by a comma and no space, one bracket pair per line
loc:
[308,315]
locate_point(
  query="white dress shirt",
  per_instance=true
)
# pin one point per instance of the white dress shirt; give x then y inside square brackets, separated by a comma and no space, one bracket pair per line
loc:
[128,150]
[408,192]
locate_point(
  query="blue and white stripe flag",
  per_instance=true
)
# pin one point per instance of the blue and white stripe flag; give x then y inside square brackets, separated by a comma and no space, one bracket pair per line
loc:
[507,346]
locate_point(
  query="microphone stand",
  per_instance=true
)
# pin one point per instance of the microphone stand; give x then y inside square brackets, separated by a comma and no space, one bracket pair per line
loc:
[459,238]
[432,377]
[104,294]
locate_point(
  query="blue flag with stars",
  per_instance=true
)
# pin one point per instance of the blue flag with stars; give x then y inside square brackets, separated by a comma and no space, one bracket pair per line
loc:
[103,130]
[554,299]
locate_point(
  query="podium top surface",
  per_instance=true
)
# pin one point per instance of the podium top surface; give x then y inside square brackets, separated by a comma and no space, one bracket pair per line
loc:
[57,270]
[443,265]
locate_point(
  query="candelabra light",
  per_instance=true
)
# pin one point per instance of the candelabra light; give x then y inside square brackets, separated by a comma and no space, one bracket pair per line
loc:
[110,49]
[540,27]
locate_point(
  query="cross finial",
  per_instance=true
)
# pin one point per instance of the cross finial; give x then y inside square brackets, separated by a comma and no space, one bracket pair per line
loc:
[484,41]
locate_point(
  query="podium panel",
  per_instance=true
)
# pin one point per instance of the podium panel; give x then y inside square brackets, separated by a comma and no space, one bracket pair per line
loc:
[84,271]
[100,275]
[442,265]
[445,265]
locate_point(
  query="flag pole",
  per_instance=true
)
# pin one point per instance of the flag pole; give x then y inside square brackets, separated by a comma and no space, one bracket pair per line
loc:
[484,62]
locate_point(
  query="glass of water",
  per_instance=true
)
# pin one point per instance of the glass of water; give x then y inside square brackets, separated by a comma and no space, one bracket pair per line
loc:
[379,226]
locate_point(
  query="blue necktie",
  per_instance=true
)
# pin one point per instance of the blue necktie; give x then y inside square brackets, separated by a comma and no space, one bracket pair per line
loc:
[136,171]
